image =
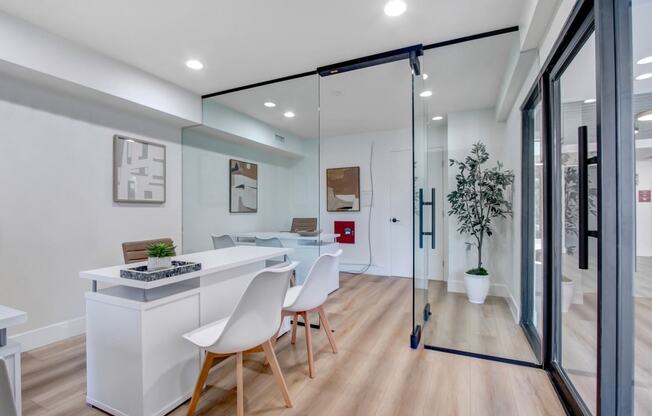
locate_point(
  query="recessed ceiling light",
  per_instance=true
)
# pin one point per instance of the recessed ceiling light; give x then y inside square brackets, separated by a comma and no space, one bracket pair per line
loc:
[437,118]
[426,93]
[425,77]
[395,8]
[646,60]
[269,104]
[194,64]
[589,100]
[644,76]
[288,114]
[645,116]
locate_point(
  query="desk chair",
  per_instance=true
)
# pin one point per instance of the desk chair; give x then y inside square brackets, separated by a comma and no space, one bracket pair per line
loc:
[222,241]
[303,224]
[7,403]
[310,297]
[135,251]
[272,242]
[250,328]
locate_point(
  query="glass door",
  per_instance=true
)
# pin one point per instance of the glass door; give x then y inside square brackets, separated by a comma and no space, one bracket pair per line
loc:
[424,221]
[575,146]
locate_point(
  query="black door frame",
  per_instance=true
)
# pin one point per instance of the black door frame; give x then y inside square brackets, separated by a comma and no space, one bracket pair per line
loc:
[610,20]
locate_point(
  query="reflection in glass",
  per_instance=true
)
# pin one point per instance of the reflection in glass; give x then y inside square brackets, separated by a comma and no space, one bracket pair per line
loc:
[252,173]
[578,300]
[537,287]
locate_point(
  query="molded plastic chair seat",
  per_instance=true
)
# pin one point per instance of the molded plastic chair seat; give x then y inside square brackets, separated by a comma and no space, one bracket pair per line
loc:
[206,335]
[253,323]
[310,297]
[290,297]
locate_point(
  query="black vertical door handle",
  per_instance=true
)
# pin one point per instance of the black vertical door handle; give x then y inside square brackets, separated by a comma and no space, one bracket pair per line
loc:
[583,162]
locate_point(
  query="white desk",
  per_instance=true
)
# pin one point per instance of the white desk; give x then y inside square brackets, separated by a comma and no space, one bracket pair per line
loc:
[306,249]
[10,350]
[137,362]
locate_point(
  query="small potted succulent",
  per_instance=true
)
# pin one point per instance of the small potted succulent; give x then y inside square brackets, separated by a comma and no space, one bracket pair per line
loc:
[478,197]
[159,256]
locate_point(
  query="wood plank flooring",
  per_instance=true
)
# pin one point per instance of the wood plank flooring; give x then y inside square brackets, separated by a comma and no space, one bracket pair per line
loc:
[487,329]
[374,373]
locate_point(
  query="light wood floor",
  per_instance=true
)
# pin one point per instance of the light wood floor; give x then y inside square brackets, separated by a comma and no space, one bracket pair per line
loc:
[487,329]
[375,372]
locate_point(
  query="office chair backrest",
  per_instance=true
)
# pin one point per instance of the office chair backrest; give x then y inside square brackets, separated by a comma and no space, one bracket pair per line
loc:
[222,241]
[269,242]
[135,251]
[257,316]
[303,224]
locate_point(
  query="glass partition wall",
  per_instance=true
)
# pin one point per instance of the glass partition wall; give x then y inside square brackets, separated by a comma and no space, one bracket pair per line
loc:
[251,171]
[475,313]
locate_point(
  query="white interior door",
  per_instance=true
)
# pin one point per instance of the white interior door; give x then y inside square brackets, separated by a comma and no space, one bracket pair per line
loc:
[401,213]
[435,179]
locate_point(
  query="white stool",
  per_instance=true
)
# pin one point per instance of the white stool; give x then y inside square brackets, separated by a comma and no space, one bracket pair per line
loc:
[310,297]
[254,321]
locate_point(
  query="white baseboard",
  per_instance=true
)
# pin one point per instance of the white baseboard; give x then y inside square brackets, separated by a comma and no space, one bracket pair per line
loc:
[39,337]
[358,267]
[496,289]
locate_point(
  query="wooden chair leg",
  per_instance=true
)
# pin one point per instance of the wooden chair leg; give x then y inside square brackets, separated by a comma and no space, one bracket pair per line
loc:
[295,323]
[240,383]
[327,328]
[276,370]
[199,386]
[311,363]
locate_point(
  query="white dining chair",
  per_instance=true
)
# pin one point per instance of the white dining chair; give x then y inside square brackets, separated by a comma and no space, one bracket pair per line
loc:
[310,297]
[254,322]
[7,402]
[222,241]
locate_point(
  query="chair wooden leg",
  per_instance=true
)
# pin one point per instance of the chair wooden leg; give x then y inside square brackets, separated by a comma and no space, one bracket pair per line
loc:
[240,383]
[311,363]
[276,370]
[327,328]
[295,323]
[199,386]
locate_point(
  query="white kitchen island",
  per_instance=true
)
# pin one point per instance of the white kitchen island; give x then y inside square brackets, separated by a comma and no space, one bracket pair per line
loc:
[137,362]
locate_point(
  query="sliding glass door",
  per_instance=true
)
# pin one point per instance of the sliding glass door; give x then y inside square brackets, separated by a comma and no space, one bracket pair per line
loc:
[575,231]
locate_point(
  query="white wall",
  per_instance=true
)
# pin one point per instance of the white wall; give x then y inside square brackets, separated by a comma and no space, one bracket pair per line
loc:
[58,215]
[354,150]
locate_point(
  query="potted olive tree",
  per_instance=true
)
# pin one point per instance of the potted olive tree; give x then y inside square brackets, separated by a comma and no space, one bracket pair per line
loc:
[478,197]
[159,256]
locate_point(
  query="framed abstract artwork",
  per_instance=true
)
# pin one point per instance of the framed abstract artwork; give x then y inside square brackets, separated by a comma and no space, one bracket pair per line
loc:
[243,189]
[343,189]
[138,171]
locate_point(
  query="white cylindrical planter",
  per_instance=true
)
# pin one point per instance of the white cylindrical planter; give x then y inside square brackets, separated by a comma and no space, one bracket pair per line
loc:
[159,263]
[567,289]
[477,287]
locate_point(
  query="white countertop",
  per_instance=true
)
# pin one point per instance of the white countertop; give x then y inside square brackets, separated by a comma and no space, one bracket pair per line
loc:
[10,317]
[212,261]
[286,235]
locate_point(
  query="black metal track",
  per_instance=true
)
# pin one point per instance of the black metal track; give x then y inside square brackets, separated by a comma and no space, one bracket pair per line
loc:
[483,356]
[360,60]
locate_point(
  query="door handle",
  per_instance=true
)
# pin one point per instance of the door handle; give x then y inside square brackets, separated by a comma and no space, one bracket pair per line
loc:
[583,162]
[433,220]
[395,220]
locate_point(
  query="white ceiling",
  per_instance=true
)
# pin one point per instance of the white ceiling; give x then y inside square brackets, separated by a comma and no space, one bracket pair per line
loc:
[462,77]
[243,42]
